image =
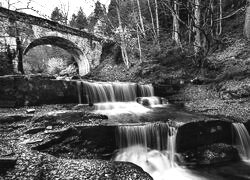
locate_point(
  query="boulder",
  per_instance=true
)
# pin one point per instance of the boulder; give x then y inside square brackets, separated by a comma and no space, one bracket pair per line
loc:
[151,101]
[198,134]
[7,162]
[211,154]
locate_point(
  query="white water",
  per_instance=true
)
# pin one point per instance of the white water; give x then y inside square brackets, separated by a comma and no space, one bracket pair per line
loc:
[114,98]
[116,91]
[242,141]
[153,101]
[116,108]
[146,90]
[83,65]
[152,147]
[79,84]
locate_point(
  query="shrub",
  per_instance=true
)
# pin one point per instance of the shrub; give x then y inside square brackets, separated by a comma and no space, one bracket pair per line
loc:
[56,65]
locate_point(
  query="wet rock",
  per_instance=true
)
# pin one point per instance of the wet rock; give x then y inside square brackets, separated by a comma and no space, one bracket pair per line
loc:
[211,154]
[144,102]
[197,134]
[130,171]
[164,90]
[81,142]
[31,141]
[34,130]
[151,101]
[64,116]
[30,111]
[61,135]
[247,124]
[49,127]
[14,118]
[7,162]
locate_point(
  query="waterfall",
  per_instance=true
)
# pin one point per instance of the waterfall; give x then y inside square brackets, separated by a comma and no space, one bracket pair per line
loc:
[154,136]
[114,98]
[242,140]
[151,146]
[83,65]
[79,93]
[171,148]
[146,90]
[116,91]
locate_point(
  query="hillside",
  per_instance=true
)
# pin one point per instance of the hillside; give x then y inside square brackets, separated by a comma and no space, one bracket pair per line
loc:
[220,87]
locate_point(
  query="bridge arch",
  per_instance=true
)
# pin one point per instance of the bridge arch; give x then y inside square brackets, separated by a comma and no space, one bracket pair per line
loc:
[67,45]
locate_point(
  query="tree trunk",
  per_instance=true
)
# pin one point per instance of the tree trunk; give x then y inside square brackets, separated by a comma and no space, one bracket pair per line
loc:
[19,50]
[139,43]
[121,33]
[152,21]
[211,5]
[247,21]
[219,24]
[140,16]
[176,29]
[157,20]
[197,40]
[189,24]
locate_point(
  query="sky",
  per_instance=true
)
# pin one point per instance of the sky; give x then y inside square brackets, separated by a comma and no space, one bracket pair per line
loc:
[45,7]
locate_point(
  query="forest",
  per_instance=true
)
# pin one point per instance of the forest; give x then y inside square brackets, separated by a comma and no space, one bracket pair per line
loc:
[167,32]
[134,90]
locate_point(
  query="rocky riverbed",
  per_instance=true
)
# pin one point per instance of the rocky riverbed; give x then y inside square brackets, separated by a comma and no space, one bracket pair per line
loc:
[69,141]
[21,131]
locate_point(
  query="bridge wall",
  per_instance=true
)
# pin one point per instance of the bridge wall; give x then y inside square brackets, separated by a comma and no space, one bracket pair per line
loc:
[28,32]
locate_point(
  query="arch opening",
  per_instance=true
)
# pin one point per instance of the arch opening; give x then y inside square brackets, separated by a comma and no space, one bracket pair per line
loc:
[73,53]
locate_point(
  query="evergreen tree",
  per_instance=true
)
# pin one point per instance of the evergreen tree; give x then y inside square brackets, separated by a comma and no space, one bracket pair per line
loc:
[99,10]
[57,15]
[99,13]
[72,22]
[79,21]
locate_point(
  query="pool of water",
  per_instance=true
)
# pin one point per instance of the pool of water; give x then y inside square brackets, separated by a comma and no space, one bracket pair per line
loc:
[132,112]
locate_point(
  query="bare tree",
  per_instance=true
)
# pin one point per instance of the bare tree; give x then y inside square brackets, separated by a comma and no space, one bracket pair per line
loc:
[11,4]
[157,20]
[19,50]
[140,17]
[247,21]
[137,31]
[219,23]
[152,22]
[18,5]
[65,11]
[176,28]
[197,38]
[122,36]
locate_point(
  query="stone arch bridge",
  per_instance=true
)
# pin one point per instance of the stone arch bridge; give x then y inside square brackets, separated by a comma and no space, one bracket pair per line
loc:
[34,31]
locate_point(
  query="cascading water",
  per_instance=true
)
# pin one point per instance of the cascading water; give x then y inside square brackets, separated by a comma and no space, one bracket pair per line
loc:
[242,140]
[116,91]
[79,83]
[146,90]
[150,146]
[113,98]
[154,136]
